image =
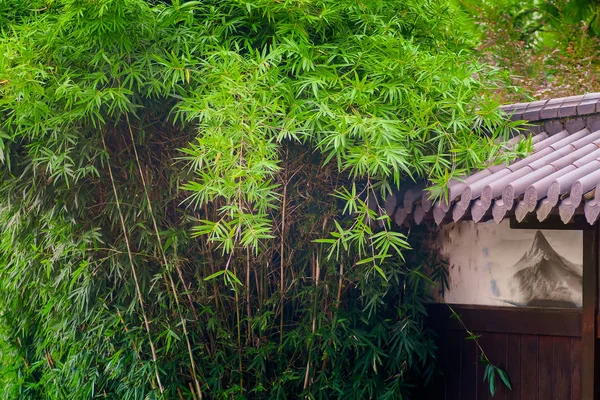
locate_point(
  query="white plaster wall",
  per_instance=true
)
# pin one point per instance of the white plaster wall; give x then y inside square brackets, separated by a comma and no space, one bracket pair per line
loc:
[481,258]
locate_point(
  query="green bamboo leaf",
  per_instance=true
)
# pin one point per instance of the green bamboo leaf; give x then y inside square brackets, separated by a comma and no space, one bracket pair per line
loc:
[215,275]
[234,278]
[504,377]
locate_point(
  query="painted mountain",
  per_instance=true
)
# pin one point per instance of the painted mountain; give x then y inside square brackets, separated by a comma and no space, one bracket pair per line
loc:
[544,278]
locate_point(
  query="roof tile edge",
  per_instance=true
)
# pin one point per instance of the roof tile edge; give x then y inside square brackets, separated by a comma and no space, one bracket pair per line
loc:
[561,107]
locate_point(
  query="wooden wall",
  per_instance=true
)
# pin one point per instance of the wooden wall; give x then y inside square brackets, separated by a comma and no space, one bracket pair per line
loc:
[548,354]
[541,351]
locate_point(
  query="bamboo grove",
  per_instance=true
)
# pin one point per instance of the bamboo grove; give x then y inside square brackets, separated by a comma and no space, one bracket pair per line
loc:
[189,193]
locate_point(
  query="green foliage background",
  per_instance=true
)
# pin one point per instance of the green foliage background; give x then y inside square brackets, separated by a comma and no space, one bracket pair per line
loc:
[546,48]
[190,193]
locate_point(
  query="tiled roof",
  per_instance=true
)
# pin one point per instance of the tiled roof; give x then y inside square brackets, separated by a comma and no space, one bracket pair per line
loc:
[562,174]
[562,107]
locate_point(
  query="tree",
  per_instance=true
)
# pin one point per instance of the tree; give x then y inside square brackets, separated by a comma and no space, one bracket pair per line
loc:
[170,173]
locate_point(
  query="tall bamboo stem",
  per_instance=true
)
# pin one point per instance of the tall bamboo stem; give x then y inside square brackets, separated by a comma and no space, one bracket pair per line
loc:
[134,272]
[165,262]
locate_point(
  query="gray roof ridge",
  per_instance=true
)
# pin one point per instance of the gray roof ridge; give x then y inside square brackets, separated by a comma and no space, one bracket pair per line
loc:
[554,108]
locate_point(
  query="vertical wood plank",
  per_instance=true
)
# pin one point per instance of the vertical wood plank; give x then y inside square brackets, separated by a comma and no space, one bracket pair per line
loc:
[576,369]
[444,364]
[562,368]
[453,374]
[529,368]
[483,387]
[545,367]
[497,355]
[468,377]
[434,389]
[513,365]
[589,369]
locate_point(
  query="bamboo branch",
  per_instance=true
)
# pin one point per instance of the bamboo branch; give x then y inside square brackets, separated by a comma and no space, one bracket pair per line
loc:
[282,262]
[135,277]
[164,260]
[316,273]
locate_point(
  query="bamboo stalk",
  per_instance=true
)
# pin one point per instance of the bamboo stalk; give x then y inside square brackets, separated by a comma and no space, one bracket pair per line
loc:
[335,315]
[248,307]
[316,274]
[282,263]
[166,264]
[239,330]
[134,272]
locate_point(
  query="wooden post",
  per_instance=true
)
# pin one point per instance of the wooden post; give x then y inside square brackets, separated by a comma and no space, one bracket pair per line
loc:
[589,369]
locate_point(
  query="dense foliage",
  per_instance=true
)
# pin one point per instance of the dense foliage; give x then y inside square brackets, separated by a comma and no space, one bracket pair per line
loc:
[169,175]
[547,48]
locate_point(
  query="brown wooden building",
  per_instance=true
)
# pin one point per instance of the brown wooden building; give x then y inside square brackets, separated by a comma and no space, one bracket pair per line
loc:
[522,241]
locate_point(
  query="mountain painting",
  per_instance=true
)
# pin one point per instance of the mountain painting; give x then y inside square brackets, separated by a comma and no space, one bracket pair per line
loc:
[492,264]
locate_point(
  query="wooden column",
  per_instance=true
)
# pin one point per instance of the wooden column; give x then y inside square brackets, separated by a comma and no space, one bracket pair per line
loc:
[589,368]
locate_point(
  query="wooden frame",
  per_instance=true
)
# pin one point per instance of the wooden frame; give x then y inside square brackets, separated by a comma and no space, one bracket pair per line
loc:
[590,324]
[519,320]
[589,368]
[583,323]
